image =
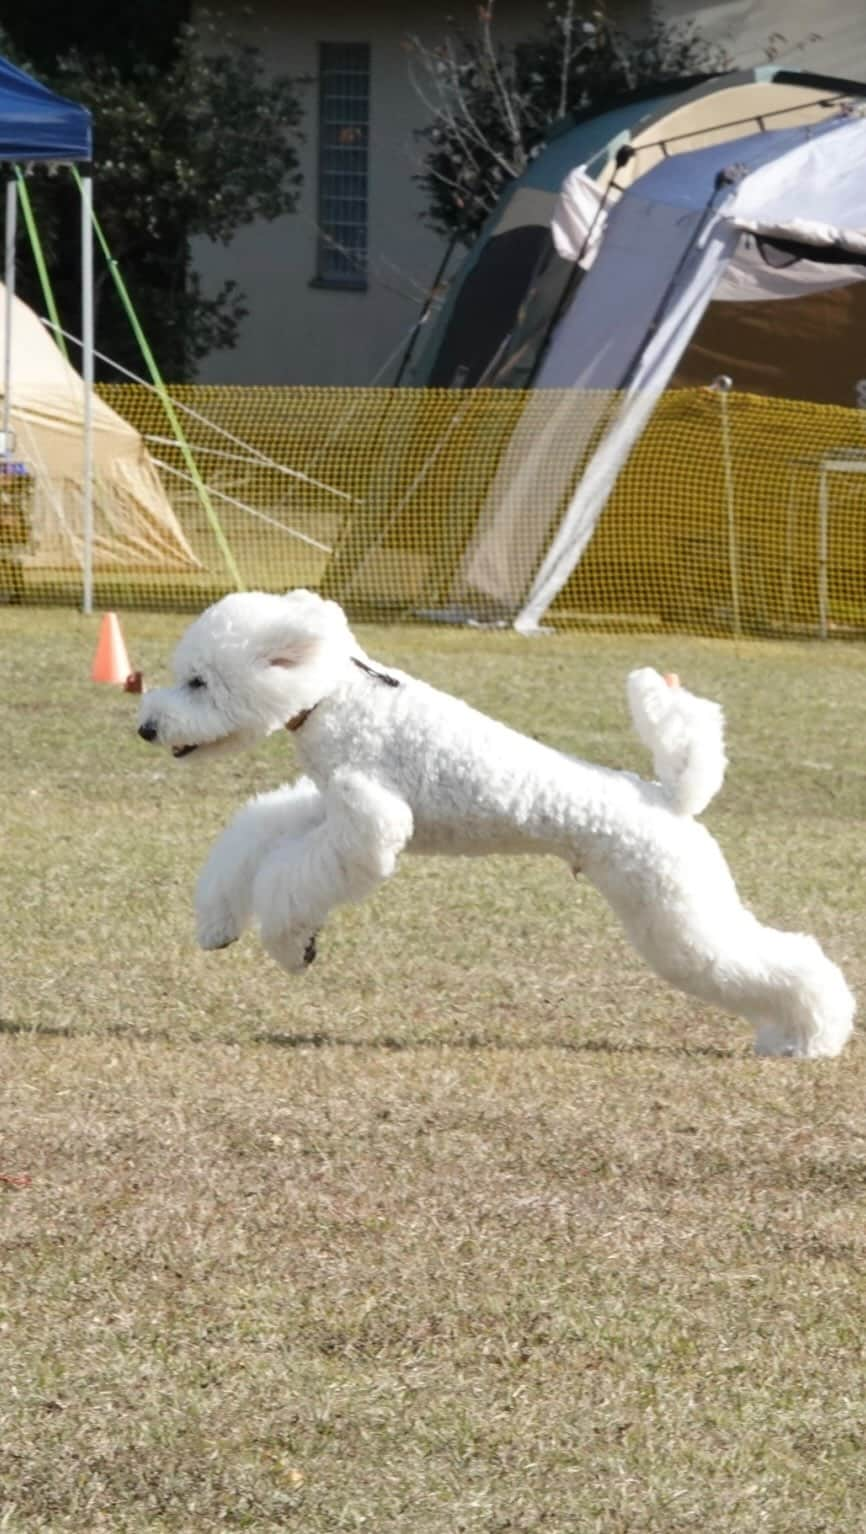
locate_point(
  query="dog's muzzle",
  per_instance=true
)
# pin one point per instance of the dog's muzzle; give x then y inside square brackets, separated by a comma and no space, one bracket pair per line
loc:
[149,732]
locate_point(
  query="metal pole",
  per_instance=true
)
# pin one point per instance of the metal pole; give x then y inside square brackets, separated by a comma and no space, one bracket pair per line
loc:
[11,229]
[87,373]
[425,313]
[723,386]
[93,228]
[823,528]
[790,524]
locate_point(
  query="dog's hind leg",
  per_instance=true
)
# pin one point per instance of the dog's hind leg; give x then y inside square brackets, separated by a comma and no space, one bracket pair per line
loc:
[682,912]
[340,859]
[224,893]
[783,983]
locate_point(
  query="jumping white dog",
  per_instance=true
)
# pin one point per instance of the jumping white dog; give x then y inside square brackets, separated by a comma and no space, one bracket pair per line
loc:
[392,764]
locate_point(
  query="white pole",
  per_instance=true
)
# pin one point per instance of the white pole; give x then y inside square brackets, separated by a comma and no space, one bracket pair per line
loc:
[11,222]
[823,536]
[723,386]
[87,375]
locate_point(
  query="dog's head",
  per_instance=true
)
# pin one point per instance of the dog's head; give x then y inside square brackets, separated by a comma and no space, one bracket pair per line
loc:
[246,667]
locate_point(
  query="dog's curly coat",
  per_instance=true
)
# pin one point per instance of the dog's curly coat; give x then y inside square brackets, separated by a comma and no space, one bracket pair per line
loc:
[392,764]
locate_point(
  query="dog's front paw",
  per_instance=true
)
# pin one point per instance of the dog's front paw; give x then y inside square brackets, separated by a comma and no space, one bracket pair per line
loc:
[215,931]
[293,952]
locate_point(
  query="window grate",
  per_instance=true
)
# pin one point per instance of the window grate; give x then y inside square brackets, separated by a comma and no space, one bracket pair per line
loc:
[344,133]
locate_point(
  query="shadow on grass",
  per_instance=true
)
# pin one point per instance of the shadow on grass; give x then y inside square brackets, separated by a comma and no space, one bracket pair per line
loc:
[110,1031]
[474,1041]
[386,1043]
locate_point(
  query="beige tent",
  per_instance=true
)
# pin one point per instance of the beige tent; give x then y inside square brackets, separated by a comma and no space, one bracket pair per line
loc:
[133,523]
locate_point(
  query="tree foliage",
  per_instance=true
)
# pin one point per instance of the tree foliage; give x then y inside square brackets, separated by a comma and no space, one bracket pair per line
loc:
[492,104]
[199,143]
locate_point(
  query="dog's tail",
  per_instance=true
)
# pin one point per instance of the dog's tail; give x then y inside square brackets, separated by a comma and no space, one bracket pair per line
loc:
[685,735]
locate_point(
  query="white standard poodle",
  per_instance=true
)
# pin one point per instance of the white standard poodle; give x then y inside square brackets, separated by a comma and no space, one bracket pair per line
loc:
[392,764]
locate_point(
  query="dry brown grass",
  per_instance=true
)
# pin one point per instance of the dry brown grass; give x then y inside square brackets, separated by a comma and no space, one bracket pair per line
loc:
[476,1229]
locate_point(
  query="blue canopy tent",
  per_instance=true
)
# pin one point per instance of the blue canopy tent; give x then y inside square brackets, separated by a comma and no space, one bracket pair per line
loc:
[37,125]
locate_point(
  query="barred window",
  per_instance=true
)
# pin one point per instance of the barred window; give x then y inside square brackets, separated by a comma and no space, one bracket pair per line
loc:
[344,131]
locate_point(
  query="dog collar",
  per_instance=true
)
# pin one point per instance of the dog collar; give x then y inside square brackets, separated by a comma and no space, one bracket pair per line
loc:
[298,719]
[301,718]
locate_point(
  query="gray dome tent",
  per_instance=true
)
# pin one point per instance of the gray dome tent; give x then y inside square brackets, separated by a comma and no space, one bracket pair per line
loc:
[506,300]
[515,523]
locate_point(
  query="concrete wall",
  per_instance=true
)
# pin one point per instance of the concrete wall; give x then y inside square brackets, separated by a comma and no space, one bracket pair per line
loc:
[825,36]
[296,333]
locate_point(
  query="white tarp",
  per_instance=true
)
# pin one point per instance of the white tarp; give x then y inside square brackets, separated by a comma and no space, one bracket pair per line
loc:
[755,275]
[579,222]
[668,243]
[579,217]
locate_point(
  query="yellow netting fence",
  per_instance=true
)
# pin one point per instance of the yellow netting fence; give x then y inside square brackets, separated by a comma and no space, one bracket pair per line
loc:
[735,514]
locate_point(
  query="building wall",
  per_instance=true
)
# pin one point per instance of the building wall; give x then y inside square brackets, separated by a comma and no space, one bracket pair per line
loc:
[824,36]
[301,334]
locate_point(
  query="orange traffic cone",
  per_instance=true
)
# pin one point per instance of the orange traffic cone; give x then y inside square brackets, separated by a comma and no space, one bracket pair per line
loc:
[111,662]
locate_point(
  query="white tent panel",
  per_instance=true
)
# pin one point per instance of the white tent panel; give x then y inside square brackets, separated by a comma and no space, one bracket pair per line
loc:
[554,433]
[598,338]
[750,276]
[694,287]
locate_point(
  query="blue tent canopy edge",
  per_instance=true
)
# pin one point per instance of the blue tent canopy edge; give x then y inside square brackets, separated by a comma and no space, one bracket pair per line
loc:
[36,124]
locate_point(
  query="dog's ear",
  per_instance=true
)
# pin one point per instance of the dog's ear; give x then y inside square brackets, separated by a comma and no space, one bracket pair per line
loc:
[306,627]
[295,651]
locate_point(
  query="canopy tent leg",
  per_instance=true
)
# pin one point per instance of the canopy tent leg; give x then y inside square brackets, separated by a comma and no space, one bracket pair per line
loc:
[9,277]
[95,228]
[87,373]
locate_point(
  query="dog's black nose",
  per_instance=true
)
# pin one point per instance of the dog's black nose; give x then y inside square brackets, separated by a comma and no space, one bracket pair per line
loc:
[148,730]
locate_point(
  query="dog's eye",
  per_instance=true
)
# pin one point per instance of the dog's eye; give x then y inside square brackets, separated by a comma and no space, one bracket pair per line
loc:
[196,682]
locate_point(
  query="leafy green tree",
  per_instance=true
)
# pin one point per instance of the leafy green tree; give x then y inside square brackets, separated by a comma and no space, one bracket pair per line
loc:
[119,29]
[492,104]
[193,141]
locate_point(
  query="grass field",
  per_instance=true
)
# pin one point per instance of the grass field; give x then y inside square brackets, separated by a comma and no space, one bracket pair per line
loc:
[476,1228]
